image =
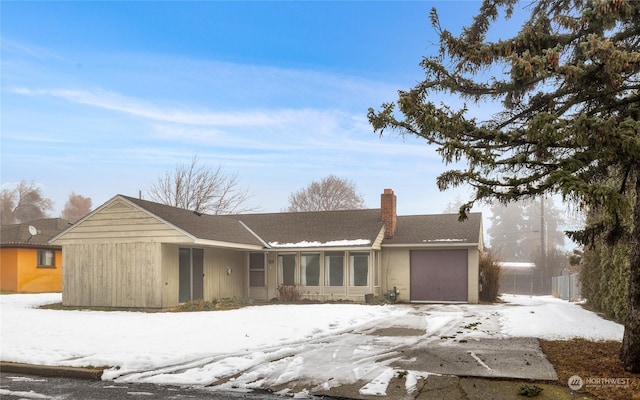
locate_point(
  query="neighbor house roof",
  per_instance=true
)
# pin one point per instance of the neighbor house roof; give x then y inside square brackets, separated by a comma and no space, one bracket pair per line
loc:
[18,235]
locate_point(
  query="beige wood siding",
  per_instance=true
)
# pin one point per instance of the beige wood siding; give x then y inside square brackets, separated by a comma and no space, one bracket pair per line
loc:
[121,222]
[474,276]
[169,275]
[112,274]
[395,271]
[219,285]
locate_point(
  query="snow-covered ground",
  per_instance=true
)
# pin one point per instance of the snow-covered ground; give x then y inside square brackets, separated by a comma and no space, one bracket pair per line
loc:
[326,345]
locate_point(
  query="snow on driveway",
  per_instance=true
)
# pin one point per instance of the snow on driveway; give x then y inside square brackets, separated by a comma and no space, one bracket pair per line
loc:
[326,345]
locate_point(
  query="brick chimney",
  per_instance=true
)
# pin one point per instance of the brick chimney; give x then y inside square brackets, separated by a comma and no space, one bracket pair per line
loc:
[388,210]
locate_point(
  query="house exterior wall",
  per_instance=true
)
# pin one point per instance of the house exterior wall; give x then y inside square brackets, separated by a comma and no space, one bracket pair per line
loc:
[112,275]
[9,269]
[170,279]
[474,275]
[217,283]
[396,263]
[396,271]
[20,271]
[114,258]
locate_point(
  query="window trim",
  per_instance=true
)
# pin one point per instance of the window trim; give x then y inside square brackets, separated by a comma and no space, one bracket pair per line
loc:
[281,271]
[352,280]
[327,268]
[303,268]
[41,258]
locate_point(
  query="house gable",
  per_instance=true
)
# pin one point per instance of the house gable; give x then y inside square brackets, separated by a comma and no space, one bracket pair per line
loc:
[119,220]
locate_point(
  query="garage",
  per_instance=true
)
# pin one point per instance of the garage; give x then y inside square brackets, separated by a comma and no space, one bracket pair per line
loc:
[439,275]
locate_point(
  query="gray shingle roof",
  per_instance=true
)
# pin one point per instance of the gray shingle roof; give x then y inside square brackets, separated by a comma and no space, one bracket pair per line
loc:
[318,227]
[203,226]
[18,234]
[436,229]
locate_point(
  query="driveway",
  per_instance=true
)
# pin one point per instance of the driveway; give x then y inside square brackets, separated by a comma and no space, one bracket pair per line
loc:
[429,339]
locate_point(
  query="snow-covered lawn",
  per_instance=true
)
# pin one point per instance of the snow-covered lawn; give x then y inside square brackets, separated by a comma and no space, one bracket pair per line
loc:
[266,346]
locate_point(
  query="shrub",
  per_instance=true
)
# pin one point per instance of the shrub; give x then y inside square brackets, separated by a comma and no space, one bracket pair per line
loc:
[529,391]
[213,305]
[489,277]
[288,293]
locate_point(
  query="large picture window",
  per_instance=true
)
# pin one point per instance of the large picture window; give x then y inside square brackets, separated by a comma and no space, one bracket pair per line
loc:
[287,269]
[46,258]
[334,269]
[359,269]
[310,269]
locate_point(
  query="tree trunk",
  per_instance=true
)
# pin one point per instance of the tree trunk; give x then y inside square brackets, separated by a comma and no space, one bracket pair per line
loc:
[630,352]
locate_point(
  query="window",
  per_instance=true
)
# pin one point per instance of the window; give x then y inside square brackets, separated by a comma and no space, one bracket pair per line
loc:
[334,269]
[190,274]
[359,269]
[310,269]
[46,258]
[287,269]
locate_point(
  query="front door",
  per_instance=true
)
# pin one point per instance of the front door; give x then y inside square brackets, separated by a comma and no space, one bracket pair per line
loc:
[257,276]
[191,274]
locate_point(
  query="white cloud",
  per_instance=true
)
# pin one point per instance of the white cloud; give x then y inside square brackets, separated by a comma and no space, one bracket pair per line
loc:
[115,102]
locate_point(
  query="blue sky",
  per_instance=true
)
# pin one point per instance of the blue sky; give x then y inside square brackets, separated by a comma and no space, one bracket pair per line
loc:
[102,98]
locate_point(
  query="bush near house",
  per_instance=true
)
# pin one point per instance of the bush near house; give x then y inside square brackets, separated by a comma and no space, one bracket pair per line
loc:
[212,305]
[489,278]
[289,293]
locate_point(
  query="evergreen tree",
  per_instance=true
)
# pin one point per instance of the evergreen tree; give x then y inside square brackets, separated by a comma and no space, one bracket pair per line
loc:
[570,116]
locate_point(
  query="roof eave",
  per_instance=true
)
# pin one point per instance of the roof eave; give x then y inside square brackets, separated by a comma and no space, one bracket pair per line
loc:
[228,245]
[29,246]
[432,244]
[323,248]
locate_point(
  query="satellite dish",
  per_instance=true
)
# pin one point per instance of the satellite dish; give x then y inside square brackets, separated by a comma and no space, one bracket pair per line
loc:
[32,230]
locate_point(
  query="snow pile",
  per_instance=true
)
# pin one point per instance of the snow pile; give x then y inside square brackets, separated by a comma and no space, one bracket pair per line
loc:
[322,345]
[332,243]
[547,317]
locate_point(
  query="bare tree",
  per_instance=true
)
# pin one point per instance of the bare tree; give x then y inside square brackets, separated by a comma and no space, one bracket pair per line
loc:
[23,203]
[331,193]
[199,188]
[76,207]
[7,205]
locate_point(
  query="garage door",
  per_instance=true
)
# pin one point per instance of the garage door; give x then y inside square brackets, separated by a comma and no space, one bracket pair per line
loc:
[439,275]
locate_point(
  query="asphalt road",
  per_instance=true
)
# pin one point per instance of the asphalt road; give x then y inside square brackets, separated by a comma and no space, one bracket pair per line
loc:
[20,386]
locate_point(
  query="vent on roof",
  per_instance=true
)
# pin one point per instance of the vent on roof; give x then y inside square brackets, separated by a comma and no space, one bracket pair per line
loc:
[199,214]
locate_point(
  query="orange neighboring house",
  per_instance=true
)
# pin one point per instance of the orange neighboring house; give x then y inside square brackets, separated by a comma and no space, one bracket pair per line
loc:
[28,263]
